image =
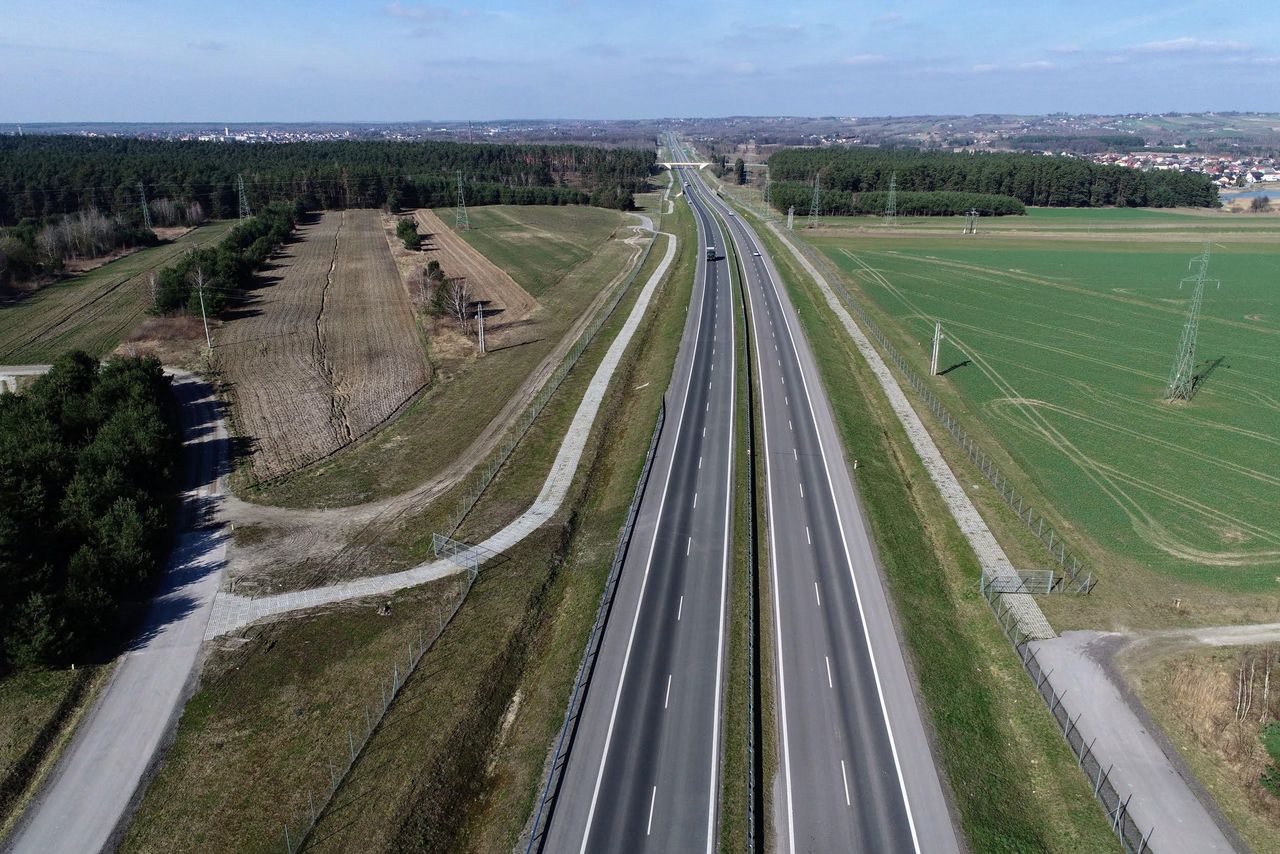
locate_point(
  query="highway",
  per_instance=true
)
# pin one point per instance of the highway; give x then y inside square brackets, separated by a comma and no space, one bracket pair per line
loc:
[643,773]
[856,772]
[82,806]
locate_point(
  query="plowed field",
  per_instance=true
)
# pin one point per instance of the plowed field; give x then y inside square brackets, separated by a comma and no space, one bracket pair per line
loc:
[326,347]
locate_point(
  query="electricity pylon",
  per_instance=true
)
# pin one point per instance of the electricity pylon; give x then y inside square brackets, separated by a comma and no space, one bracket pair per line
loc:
[1182,379]
[891,206]
[245,210]
[971,221]
[814,222]
[791,218]
[460,220]
[146,211]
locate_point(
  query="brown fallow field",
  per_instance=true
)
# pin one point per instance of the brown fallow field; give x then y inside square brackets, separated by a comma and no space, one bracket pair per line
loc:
[324,349]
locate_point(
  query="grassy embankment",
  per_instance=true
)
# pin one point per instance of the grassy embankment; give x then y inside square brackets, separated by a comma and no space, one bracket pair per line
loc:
[433,778]
[1013,782]
[1196,698]
[93,311]
[565,273]
[39,711]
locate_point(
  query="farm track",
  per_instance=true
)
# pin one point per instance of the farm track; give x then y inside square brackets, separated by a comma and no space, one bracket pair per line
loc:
[84,312]
[326,347]
[487,280]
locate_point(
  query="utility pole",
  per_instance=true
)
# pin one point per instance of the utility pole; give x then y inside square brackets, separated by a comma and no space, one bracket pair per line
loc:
[245,210]
[814,222]
[791,218]
[204,317]
[480,324]
[971,221]
[146,211]
[460,220]
[891,206]
[1182,379]
[937,342]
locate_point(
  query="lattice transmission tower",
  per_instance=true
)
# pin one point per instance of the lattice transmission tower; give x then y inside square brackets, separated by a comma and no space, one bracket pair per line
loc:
[146,211]
[245,210]
[891,205]
[971,221]
[1182,379]
[814,222]
[460,220]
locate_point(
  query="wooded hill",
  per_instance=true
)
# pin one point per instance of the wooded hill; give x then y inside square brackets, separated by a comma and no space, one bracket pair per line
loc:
[1032,179]
[45,175]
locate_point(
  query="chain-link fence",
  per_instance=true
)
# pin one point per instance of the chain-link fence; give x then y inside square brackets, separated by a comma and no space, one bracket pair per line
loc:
[345,754]
[560,756]
[1078,577]
[1134,839]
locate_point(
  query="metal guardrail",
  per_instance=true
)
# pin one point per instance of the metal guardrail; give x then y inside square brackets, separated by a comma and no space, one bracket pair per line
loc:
[564,741]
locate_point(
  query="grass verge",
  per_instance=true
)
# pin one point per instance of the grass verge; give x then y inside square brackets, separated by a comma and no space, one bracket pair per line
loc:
[39,712]
[472,784]
[1013,783]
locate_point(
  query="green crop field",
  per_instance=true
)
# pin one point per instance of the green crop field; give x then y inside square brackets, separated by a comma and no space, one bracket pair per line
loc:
[537,244]
[91,312]
[1063,345]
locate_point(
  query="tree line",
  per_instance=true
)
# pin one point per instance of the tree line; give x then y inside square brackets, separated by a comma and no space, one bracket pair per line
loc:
[1032,179]
[32,249]
[89,457]
[940,203]
[46,175]
[215,274]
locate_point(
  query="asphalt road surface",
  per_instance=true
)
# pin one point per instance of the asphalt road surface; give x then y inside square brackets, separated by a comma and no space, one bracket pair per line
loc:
[644,770]
[856,770]
[89,794]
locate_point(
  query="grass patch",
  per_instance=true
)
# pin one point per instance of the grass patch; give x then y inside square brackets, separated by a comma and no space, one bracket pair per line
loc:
[537,245]
[515,655]
[1214,706]
[94,311]
[1013,782]
[1061,352]
[467,394]
[268,718]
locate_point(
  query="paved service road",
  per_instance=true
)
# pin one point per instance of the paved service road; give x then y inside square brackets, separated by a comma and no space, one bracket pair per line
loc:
[856,771]
[644,770]
[90,791]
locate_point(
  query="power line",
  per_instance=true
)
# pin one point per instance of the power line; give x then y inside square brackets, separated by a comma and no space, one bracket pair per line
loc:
[814,222]
[245,210]
[460,220]
[146,211]
[891,205]
[1182,378]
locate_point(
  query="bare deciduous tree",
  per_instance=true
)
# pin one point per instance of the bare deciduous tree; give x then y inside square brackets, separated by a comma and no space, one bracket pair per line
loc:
[457,300]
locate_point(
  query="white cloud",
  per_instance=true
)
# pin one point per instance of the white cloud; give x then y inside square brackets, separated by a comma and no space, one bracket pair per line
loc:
[1187,44]
[887,19]
[985,68]
[1037,65]
[864,59]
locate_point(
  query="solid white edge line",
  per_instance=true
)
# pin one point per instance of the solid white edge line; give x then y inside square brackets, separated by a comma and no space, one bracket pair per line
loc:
[866,632]
[652,799]
[644,580]
[875,671]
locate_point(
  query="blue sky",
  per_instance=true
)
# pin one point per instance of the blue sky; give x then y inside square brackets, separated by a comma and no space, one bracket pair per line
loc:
[283,60]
